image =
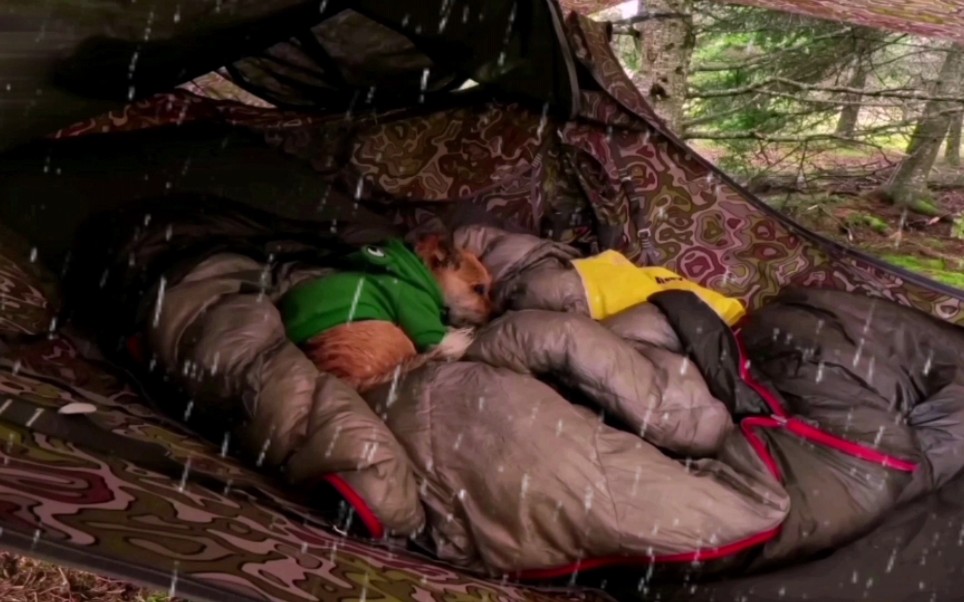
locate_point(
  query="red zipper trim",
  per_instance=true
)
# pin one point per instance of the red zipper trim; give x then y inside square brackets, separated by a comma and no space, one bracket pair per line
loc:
[812,433]
[135,347]
[367,516]
[759,446]
[748,426]
[627,561]
[869,454]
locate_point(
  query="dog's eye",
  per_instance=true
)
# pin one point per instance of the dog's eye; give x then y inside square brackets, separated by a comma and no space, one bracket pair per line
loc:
[479,289]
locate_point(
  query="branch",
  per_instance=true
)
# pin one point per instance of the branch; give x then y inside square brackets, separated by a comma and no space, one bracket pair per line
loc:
[765,137]
[647,16]
[761,85]
[625,27]
[773,55]
[697,135]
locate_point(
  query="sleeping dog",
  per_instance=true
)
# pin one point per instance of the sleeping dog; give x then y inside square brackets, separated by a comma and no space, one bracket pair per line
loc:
[389,317]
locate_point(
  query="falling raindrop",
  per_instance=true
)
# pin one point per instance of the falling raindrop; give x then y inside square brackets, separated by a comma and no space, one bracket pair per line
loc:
[160,300]
[444,14]
[188,409]
[354,300]
[36,538]
[184,475]
[898,237]
[857,354]
[331,444]
[172,591]
[423,87]
[263,452]
[33,418]
[225,443]
[556,510]
[543,121]
[879,436]
[33,254]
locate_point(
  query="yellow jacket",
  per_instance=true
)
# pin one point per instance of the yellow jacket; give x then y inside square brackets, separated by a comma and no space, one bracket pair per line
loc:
[613,283]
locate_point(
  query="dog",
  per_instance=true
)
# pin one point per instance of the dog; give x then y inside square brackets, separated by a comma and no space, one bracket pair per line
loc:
[369,353]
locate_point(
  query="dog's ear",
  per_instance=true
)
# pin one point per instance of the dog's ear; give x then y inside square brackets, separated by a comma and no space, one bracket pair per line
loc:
[437,250]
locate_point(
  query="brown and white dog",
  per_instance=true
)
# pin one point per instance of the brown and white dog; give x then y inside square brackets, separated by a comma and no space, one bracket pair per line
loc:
[373,352]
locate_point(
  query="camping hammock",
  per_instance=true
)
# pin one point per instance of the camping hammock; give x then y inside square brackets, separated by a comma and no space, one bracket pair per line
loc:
[557,141]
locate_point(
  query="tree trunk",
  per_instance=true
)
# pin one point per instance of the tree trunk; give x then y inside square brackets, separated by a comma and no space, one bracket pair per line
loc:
[665,51]
[908,185]
[864,45]
[953,151]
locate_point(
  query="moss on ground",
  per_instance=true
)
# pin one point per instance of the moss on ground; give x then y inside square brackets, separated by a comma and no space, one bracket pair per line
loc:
[932,268]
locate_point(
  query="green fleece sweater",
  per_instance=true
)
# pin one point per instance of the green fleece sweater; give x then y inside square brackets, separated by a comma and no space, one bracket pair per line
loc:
[391,284]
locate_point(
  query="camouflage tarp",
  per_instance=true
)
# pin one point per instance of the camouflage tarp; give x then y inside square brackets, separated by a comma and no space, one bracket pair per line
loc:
[931,18]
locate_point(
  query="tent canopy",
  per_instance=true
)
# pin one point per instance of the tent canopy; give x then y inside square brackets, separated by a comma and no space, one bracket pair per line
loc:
[65,61]
[932,18]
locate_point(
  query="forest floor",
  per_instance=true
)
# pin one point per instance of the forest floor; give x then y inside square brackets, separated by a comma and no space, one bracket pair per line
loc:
[23,579]
[921,244]
[836,199]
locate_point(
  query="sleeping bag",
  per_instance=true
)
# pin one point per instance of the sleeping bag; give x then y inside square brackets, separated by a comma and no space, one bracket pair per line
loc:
[562,443]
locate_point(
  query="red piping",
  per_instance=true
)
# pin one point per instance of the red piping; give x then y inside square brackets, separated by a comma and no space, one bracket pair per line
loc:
[747,425]
[780,419]
[135,347]
[375,527]
[812,433]
[759,446]
[607,561]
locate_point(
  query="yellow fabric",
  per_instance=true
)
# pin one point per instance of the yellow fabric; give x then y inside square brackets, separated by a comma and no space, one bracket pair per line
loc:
[613,283]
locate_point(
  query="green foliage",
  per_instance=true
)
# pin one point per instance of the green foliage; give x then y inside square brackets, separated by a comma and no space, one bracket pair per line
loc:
[957,228]
[933,268]
[869,221]
[775,83]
